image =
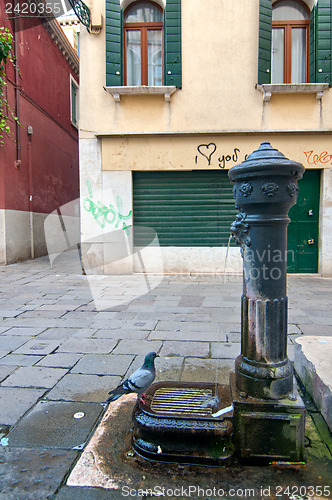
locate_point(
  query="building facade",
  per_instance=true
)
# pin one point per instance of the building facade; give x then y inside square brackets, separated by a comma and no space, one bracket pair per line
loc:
[39,159]
[70,25]
[176,92]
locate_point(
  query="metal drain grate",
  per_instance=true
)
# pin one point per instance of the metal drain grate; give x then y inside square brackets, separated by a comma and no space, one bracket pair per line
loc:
[183,401]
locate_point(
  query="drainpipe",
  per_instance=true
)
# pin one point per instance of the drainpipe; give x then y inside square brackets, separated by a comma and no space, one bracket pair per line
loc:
[29,160]
[17,94]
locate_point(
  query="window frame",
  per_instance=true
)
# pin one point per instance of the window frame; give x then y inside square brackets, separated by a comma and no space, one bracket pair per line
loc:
[143,27]
[287,26]
[74,102]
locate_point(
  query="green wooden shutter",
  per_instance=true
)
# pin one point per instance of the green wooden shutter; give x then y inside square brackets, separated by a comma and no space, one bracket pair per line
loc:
[320,67]
[172,43]
[313,45]
[184,208]
[265,41]
[114,37]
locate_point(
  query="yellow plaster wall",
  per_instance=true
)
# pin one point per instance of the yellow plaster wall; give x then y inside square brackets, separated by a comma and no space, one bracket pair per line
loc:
[219,73]
[203,152]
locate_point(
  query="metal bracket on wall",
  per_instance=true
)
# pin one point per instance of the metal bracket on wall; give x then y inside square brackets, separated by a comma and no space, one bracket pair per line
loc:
[82,11]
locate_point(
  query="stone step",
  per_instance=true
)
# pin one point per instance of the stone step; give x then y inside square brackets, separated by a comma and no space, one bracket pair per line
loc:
[313,355]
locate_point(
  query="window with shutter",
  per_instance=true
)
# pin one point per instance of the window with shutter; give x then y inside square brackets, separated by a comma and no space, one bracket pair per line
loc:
[139,44]
[314,41]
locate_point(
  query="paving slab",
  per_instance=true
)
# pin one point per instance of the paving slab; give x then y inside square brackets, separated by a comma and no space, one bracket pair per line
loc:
[80,315]
[34,376]
[208,336]
[316,330]
[77,387]
[313,357]
[171,309]
[139,347]
[196,316]
[20,359]
[15,402]
[140,324]
[83,333]
[85,346]
[32,474]
[24,331]
[185,326]
[103,364]
[121,334]
[3,329]
[60,360]
[40,313]
[8,343]
[182,348]
[44,425]
[5,371]
[60,333]
[191,300]
[35,322]
[38,346]
[9,313]
[108,324]
[225,350]
[322,319]
[74,323]
[233,337]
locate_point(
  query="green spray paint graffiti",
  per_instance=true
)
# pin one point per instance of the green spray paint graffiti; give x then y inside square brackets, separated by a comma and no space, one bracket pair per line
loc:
[104,214]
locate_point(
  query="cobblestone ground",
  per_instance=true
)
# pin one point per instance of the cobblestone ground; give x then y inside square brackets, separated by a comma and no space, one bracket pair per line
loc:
[60,354]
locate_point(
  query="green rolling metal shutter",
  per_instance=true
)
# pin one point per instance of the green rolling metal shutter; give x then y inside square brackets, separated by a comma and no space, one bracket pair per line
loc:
[265,41]
[114,35]
[172,43]
[184,208]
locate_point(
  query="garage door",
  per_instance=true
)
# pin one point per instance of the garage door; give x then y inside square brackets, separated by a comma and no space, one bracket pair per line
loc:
[186,209]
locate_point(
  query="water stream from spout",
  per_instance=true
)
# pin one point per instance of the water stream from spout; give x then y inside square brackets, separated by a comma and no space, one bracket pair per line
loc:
[228,245]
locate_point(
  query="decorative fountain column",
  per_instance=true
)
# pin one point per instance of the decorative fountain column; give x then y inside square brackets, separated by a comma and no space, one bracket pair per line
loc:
[268,413]
[195,423]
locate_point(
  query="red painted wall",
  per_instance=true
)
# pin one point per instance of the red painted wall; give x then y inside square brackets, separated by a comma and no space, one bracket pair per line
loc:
[48,175]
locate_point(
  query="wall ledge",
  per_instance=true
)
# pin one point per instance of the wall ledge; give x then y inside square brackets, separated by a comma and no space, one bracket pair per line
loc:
[117,92]
[291,88]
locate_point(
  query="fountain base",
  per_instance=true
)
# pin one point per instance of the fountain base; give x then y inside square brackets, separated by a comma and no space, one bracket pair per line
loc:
[174,422]
[268,430]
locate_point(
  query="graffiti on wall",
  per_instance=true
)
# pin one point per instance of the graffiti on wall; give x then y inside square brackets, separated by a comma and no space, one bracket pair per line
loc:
[106,214]
[322,158]
[208,150]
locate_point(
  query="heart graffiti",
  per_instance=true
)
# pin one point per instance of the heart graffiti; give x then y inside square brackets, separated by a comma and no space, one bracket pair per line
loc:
[207,150]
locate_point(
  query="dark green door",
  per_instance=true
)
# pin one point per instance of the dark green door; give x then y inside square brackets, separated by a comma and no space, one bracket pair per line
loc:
[302,256]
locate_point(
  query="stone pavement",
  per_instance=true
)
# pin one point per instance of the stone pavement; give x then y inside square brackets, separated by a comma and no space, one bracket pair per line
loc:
[60,355]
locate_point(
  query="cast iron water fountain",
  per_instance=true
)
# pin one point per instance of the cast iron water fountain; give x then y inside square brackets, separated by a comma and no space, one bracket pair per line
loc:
[181,421]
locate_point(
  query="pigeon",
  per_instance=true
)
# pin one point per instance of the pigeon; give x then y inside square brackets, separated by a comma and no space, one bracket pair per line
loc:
[139,381]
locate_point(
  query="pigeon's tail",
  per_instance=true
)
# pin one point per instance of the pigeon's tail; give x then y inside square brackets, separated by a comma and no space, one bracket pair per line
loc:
[114,397]
[118,392]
